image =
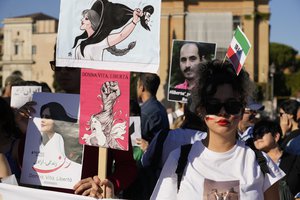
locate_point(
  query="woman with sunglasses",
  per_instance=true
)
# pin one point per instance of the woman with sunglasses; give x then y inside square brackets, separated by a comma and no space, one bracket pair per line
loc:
[220,161]
[266,136]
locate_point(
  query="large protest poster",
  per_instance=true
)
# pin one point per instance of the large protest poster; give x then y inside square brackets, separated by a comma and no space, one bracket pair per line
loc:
[13,192]
[186,59]
[116,35]
[52,154]
[104,108]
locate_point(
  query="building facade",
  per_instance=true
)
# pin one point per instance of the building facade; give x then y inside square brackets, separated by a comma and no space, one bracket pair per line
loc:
[28,46]
[29,40]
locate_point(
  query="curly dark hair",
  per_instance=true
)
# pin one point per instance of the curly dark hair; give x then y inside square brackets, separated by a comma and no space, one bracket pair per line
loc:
[214,74]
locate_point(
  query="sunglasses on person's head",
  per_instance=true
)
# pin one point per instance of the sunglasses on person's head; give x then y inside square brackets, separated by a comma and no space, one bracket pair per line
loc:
[232,107]
[57,69]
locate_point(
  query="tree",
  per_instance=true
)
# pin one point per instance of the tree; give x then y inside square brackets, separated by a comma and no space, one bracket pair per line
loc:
[283,56]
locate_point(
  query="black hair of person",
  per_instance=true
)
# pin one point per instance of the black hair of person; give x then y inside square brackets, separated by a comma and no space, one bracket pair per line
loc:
[57,112]
[267,126]
[112,16]
[291,107]
[150,82]
[214,74]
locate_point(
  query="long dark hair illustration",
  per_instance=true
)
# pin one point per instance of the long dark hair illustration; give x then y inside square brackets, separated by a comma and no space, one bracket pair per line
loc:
[104,17]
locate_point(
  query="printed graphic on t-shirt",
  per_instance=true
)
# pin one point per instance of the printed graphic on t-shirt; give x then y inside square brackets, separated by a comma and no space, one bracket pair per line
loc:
[221,190]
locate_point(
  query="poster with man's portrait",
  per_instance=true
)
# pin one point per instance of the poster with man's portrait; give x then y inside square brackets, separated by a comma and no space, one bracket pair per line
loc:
[52,154]
[186,61]
[116,35]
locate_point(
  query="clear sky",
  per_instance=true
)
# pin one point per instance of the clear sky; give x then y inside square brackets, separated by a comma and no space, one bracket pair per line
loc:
[285,16]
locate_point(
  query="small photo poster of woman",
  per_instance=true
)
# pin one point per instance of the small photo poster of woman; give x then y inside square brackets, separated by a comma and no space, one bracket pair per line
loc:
[52,154]
[109,34]
[104,108]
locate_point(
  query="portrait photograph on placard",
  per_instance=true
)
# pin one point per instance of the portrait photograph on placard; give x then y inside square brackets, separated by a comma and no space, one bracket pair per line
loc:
[116,35]
[104,108]
[52,154]
[186,59]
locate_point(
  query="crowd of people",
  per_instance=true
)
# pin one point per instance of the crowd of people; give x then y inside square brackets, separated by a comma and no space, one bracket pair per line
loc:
[219,150]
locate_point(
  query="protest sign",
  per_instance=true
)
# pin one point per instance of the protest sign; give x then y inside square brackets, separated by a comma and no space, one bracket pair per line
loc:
[9,192]
[117,35]
[52,154]
[135,129]
[186,60]
[22,94]
[104,108]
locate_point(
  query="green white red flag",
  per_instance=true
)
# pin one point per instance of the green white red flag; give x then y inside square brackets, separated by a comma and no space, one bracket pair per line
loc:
[238,50]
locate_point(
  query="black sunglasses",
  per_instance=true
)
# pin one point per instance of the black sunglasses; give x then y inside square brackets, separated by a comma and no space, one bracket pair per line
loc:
[57,69]
[232,107]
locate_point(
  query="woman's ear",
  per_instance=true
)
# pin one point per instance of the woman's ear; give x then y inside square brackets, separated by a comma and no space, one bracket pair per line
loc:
[277,137]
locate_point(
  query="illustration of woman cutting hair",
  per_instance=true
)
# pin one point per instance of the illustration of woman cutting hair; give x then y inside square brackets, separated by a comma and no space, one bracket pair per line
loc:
[98,23]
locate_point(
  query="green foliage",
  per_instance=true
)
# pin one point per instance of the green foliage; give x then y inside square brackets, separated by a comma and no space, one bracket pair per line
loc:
[293,82]
[282,56]
[280,87]
[297,64]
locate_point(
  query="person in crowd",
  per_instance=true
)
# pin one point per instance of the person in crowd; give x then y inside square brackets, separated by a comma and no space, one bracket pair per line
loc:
[45,87]
[154,117]
[10,137]
[121,167]
[220,159]
[289,126]
[267,135]
[9,82]
[192,129]
[245,127]
[4,167]
[189,61]
[154,120]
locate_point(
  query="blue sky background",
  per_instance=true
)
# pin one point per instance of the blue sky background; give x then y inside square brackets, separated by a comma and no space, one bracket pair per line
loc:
[285,16]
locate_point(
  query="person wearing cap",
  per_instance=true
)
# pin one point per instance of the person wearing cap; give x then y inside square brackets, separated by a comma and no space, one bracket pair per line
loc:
[245,127]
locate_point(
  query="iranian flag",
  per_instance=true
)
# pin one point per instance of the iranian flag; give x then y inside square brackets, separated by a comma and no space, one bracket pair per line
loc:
[238,50]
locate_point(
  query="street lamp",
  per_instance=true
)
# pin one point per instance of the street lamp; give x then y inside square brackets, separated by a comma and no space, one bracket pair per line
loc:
[272,71]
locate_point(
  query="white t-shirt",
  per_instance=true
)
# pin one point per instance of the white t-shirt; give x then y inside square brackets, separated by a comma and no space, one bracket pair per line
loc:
[175,139]
[211,175]
[92,51]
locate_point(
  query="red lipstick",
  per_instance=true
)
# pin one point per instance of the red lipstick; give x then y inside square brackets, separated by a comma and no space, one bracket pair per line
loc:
[223,122]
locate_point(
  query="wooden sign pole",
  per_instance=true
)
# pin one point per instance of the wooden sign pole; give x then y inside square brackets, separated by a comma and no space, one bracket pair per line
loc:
[102,164]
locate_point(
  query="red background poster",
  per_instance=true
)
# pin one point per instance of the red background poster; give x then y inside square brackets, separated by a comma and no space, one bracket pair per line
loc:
[104,108]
